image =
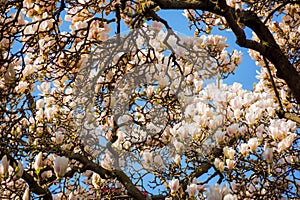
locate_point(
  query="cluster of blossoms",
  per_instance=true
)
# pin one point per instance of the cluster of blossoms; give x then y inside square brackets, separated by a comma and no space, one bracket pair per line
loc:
[215,192]
[105,115]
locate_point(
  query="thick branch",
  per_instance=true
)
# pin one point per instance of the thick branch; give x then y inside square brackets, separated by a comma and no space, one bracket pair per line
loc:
[33,185]
[293,117]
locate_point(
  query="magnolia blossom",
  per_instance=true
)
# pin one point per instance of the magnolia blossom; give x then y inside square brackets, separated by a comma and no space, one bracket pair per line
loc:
[268,154]
[50,112]
[60,165]
[59,137]
[97,181]
[229,152]
[71,196]
[244,149]
[148,157]
[22,86]
[253,143]
[230,164]
[156,26]
[218,193]
[39,103]
[4,166]
[174,185]
[106,163]
[214,193]
[149,91]
[20,169]
[219,136]
[44,87]
[38,162]
[177,159]
[46,174]
[219,164]
[158,161]
[230,197]
[26,195]
[250,118]
[192,189]
[178,146]
[286,143]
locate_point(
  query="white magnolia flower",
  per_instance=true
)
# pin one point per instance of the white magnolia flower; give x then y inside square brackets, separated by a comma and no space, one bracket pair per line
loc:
[253,143]
[60,165]
[174,185]
[22,86]
[38,161]
[26,194]
[192,189]
[268,154]
[20,169]
[4,166]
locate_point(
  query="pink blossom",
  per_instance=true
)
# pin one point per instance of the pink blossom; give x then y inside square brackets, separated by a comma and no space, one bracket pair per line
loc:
[214,193]
[229,152]
[244,149]
[158,161]
[232,129]
[60,165]
[149,91]
[38,161]
[148,157]
[44,87]
[26,194]
[219,136]
[230,164]
[106,163]
[268,154]
[174,185]
[250,118]
[97,181]
[219,164]
[20,169]
[178,146]
[230,197]
[177,159]
[253,143]
[40,103]
[59,137]
[71,196]
[22,86]
[192,190]
[4,166]
[157,26]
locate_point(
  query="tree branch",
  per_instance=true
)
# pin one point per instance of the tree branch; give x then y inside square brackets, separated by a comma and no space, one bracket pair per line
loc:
[106,174]
[33,185]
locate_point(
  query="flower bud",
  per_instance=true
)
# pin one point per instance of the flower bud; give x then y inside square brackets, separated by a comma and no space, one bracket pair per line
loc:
[20,170]
[174,185]
[192,190]
[26,194]
[60,165]
[268,154]
[4,166]
[38,162]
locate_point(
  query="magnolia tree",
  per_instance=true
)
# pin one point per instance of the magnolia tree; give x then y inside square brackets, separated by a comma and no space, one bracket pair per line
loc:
[91,113]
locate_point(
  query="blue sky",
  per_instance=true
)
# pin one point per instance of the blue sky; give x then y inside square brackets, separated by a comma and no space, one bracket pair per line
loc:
[245,73]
